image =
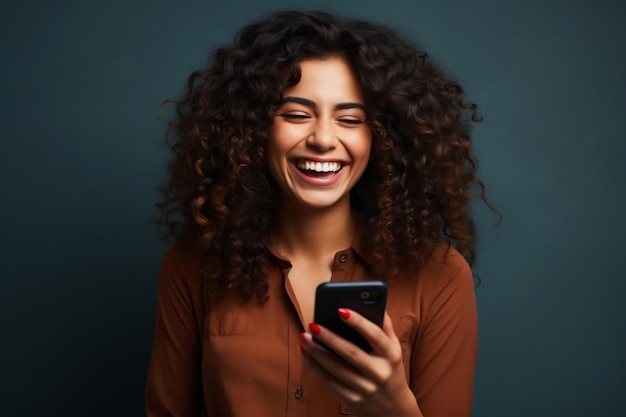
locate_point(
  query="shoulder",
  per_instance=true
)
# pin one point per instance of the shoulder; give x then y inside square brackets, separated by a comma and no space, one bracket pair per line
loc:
[179,257]
[180,271]
[445,263]
[447,279]
[443,276]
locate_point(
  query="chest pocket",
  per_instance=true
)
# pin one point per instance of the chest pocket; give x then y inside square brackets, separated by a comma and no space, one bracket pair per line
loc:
[229,324]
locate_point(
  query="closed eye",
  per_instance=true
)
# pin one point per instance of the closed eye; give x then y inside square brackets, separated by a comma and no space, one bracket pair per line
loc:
[294,116]
[350,121]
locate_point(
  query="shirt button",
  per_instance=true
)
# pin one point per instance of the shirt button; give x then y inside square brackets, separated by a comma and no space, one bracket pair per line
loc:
[343,258]
[298,393]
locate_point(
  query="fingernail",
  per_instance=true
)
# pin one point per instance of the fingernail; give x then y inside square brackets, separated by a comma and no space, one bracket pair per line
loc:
[343,313]
[302,348]
[314,328]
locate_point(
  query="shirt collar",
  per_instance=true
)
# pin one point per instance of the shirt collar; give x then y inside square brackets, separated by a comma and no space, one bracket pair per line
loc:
[356,246]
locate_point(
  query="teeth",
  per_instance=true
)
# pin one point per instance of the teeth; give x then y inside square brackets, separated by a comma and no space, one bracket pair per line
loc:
[319,166]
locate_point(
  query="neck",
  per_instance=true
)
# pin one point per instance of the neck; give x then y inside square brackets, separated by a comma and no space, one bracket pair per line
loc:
[313,233]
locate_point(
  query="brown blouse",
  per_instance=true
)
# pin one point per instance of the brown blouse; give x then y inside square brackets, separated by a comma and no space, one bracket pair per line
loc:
[244,359]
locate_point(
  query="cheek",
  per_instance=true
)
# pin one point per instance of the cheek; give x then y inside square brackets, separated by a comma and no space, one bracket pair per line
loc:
[363,146]
[276,152]
[273,158]
[281,136]
[274,144]
[368,146]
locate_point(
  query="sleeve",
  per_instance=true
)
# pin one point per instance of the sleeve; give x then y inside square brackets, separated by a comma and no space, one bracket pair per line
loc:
[174,384]
[442,371]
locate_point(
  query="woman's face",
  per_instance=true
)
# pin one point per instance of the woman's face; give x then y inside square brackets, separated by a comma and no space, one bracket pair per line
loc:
[320,142]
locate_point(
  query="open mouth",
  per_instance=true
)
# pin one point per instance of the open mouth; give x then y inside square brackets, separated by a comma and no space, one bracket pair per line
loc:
[318,169]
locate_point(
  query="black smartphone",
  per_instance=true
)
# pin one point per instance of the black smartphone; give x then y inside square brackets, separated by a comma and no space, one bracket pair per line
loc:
[368,298]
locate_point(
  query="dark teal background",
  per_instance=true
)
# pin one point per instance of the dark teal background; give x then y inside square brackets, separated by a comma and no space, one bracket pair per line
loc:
[82,155]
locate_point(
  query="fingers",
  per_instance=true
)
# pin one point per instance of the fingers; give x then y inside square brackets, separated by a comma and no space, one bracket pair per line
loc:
[344,378]
[385,353]
[371,331]
[368,383]
[383,341]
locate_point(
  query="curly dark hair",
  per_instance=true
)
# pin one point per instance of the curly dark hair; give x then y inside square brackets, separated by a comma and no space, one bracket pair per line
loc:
[415,193]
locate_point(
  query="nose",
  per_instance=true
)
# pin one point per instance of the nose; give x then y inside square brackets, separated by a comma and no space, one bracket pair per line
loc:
[323,137]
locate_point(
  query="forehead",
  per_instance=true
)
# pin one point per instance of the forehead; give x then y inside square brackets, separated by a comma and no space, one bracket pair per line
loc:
[326,79]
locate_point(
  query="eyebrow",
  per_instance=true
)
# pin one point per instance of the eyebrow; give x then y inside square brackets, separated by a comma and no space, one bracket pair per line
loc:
[308,103]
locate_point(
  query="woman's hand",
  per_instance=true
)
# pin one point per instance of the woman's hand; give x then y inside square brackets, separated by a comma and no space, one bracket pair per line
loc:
[368,384]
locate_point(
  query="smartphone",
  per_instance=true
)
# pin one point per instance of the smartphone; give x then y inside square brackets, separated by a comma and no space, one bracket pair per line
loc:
[368,298]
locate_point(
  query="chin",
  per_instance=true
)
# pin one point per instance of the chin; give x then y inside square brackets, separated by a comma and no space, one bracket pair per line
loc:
[319,202]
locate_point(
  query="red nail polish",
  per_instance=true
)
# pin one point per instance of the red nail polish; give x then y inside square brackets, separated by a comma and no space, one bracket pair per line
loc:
[314,328]
[343,313]
[302,335]
[302,348]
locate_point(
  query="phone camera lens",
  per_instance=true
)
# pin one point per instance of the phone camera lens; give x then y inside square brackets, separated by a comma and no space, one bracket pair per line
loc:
[365,295]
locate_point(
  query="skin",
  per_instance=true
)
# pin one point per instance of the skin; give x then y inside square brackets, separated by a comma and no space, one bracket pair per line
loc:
[322,119]
[370,385]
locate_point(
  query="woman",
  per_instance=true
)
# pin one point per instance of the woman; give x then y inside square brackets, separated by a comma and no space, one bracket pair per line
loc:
[316,150]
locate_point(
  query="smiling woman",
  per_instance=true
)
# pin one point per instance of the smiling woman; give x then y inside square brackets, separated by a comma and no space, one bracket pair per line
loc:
[314,150]
[320,142]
